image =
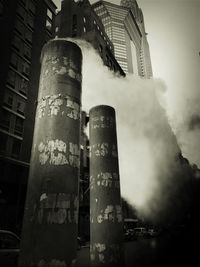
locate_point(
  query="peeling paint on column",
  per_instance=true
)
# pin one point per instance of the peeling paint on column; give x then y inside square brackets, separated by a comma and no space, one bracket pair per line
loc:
[58,208]
[55,102]
[107,179]
[62,66]
[75,109]
[104,149]
[54,105]
[53,151]
[57,152]
[102,122]
[105,253]
[100,149]
[111,214]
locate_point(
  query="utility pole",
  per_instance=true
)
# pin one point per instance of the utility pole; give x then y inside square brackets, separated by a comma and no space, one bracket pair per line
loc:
[49,234]
[106,222]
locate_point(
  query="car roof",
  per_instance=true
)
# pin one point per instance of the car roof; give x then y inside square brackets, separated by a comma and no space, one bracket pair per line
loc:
[8,232]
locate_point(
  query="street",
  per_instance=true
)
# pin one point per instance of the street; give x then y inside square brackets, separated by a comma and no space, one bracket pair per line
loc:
[169,249]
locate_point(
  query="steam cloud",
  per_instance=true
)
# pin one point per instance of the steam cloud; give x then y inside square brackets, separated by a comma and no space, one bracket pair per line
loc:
[149,157]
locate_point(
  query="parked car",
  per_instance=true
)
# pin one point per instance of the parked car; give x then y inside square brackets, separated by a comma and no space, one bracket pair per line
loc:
[128,235]
[152,232]
[9,248]
[140,232]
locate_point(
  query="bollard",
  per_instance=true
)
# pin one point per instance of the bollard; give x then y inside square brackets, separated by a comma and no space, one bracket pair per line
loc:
[106,220]
[49,233]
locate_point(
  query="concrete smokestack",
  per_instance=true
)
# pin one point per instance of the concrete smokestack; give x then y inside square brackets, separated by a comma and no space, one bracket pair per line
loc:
[49,235]
[106,222]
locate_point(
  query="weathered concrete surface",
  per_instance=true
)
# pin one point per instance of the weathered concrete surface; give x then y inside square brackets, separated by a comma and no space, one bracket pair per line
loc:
[49,235]
[106,222]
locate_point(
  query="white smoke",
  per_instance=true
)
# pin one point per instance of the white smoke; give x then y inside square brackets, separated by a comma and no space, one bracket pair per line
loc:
[147,146]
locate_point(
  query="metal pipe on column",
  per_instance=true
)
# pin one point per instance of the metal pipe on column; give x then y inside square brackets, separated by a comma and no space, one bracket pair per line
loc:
[49,234]
[106,220]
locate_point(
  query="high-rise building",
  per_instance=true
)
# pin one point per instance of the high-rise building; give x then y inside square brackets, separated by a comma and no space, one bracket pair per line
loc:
[77,19]
[124,25]
[25,25]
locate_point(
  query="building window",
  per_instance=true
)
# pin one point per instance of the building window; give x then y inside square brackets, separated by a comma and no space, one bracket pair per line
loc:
[14,60]
[84,29]
[49,14]
[49,25]
[84,19]
[31,7]
[23,2]
[3,143]
[28,36]
[23,86]
[16,147]
[74,25]
[21,12]
[30,21]
[100,49]
[11,78]
[27,52]
[21,107]
[19,27]
[19,126]
[16,43]
[25,68]
[8,99]
[5,120]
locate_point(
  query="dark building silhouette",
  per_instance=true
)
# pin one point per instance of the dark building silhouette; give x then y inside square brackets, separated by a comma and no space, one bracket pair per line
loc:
[77,19]
[25,26]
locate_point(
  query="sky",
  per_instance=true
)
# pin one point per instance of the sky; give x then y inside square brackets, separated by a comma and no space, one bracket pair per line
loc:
[146,109]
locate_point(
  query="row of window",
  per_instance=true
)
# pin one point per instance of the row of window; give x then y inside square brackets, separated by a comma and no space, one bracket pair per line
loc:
[24,32]
[117,11]
[21,47]
[17,82]
[30,5]
[20,64]
[120,47]
[12,142]
[104,37]
[26,17]
[49,21]
[11,123]
[14,102]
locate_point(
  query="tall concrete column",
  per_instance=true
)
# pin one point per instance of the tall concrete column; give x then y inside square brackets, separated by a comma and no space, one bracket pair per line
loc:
[49,234]
[106,222]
